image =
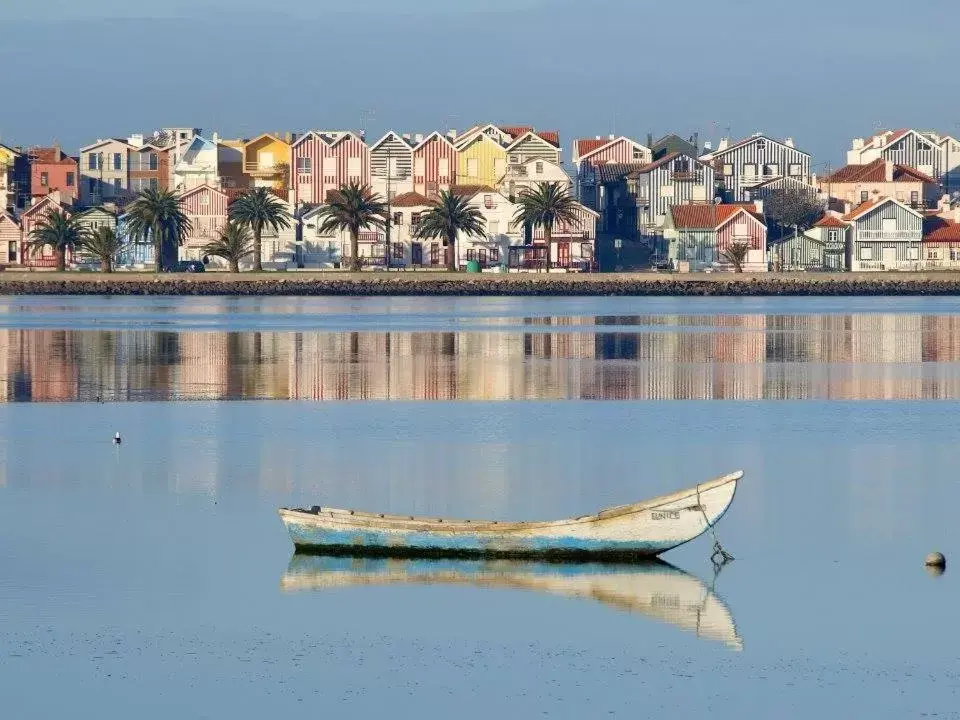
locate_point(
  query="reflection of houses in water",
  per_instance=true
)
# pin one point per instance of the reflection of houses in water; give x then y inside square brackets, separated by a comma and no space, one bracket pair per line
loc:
[657,357]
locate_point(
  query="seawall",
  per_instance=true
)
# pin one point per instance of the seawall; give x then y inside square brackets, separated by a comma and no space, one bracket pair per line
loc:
[443,284]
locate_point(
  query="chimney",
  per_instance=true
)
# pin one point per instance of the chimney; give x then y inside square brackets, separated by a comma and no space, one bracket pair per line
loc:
[136,140]
[216,138]
[406,136]
[598,137]
[289,138]
[788,142]
[649,140]
[857,144]
[758,204]
[418,138]
[611,136]
[888,171]
[452,134]
[723,144]
[707,146]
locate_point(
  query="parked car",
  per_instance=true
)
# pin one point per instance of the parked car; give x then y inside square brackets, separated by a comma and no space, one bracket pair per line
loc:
[190,266]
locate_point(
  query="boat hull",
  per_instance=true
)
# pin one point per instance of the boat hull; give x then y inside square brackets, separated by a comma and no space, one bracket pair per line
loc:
[628,532]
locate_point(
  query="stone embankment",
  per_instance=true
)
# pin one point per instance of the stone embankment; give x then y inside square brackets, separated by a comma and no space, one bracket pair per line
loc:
[442,284]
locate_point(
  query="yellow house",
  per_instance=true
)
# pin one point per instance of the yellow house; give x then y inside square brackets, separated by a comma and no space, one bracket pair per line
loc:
[483,161]
[8,178]
[266,161]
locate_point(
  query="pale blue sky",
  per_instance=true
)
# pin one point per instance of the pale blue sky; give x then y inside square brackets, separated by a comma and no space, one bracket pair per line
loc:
[820,71]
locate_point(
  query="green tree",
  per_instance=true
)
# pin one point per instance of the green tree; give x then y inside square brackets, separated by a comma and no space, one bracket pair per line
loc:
[156,216]
[352,208]
[544,206]
[448,216]
[232,244]
[736,255]
[59,231]
[257,209]
[104,244]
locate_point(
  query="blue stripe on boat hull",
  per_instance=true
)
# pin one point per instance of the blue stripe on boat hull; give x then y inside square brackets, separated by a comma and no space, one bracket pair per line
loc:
[370,542]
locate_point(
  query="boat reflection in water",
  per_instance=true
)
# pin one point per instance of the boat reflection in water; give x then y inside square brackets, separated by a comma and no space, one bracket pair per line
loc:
[655,589]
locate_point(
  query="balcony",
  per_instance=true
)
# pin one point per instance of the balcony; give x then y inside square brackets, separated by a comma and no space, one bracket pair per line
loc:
[756,179]
[901,235]
[258,169]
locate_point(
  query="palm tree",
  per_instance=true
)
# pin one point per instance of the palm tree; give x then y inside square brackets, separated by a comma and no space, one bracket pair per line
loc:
[232,244]
[450,215]
[736,254]
[257,209]
[353,207]
[104,244]
[156,216]
[547,204]
[59,231]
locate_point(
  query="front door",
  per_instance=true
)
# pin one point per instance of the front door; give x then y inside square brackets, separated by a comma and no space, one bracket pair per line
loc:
[416,254]
[889,257]
[563,254]
[482,256]
[434,253]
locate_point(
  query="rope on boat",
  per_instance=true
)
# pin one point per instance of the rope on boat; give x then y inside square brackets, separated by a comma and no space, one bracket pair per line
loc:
[719,557]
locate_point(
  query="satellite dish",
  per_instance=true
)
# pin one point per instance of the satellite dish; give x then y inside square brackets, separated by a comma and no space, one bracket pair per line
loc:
[717,200]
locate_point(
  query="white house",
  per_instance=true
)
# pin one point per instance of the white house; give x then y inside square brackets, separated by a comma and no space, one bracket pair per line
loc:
[530,173]
[197,166]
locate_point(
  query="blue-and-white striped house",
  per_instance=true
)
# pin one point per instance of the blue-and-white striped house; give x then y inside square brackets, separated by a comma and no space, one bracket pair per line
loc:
[749,163]
[822,247]
[885,235]
[134,254]
[674,179]
[900,147]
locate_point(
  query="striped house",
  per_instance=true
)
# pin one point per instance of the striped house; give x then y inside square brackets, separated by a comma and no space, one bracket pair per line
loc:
[900,147]
[885,234]
[674,179]
[574,245]
[531,144]
[743,166]
[588,153]
[326,160]
[29,220]
[91,220]
[206,208]
[391,165]
[698,235]
[9,238]
[821,247]
[434,165]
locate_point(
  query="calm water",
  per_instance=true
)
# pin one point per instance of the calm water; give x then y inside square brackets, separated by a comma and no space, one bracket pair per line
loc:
[153,580]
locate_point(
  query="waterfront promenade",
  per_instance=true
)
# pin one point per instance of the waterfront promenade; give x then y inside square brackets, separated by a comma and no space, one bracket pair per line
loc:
[461,284]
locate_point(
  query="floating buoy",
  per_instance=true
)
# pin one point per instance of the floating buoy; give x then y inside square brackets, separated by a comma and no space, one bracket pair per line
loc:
[935,560]
[116,439]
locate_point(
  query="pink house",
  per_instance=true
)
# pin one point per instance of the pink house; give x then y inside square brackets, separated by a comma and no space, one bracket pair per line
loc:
[29,220]
[322,161]
[699,235]
[9,238]
[434,165]
[206,208]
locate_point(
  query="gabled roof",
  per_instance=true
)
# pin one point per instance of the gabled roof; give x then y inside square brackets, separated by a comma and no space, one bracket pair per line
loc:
[46,201]
[200,188]
[5,214]
[471,190]
[333,141]
[586,148]
[432,135]
[260,137]
[940,229]
[666,159]
[751,139]
[107,141]
[876,172]
[388,135]
[830,221]
[93,210]
[411,199]
[479,137]
[896,135]
[707,217]
[311,134]
[10,150]
[551,137]
[615,172]
[50,156]
[869,205]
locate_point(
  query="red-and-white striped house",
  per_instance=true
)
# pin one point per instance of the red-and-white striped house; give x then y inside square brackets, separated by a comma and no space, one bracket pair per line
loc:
[206,208]
[434,165]
[9,238]
[701,234]
[322,161]
[29,220]
[588,153]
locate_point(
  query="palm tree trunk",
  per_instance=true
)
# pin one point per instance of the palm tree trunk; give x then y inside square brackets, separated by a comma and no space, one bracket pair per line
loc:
[157,249]
[234,265]
[106,263]
[354,251]
[548,238]
[257,248]
[452,252]
[61,259]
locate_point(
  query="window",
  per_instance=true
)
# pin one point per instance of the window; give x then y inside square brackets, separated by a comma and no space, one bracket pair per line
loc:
[418,167]
[472,254]
[154,161]
[304,165]
[914,198]
[414,219]
[93,161]
[473,167]
[71,179]
[761,144]
[750,170]
[727,169]
[539,168]
[666,191]
[397,251]
[443,167]
[117,162]
[44,179]
[116,186]
[499,167]
[637,154]
[932,254]
[353,166]
[493,227]
[494,254]
[12,251]
[514,159]
[953,253]
[398,218]
[866,253]
[681,165]
[795,170]
[864,196]
[913,253]
[204,199]
[833,236]
[771,170]
[889,224]
[154,184]
[183,136]
[92,185]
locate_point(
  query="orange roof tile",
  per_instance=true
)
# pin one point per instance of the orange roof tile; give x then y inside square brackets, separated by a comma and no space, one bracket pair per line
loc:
[551,136]
[588,145]
[704,217]
[876,172]
[470,190]
[50,156]
[515,131]
[830,221]
[411,199]
[938,229]
[863,207]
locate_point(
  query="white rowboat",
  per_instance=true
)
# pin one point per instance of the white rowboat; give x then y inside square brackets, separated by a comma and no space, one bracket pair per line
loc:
[625,532]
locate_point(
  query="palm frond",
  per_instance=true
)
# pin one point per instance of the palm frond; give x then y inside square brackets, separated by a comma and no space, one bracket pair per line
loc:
[102,242]
[449,216]
[57,230]
[233,243]
[545,205]
[353,207]
[258,208]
